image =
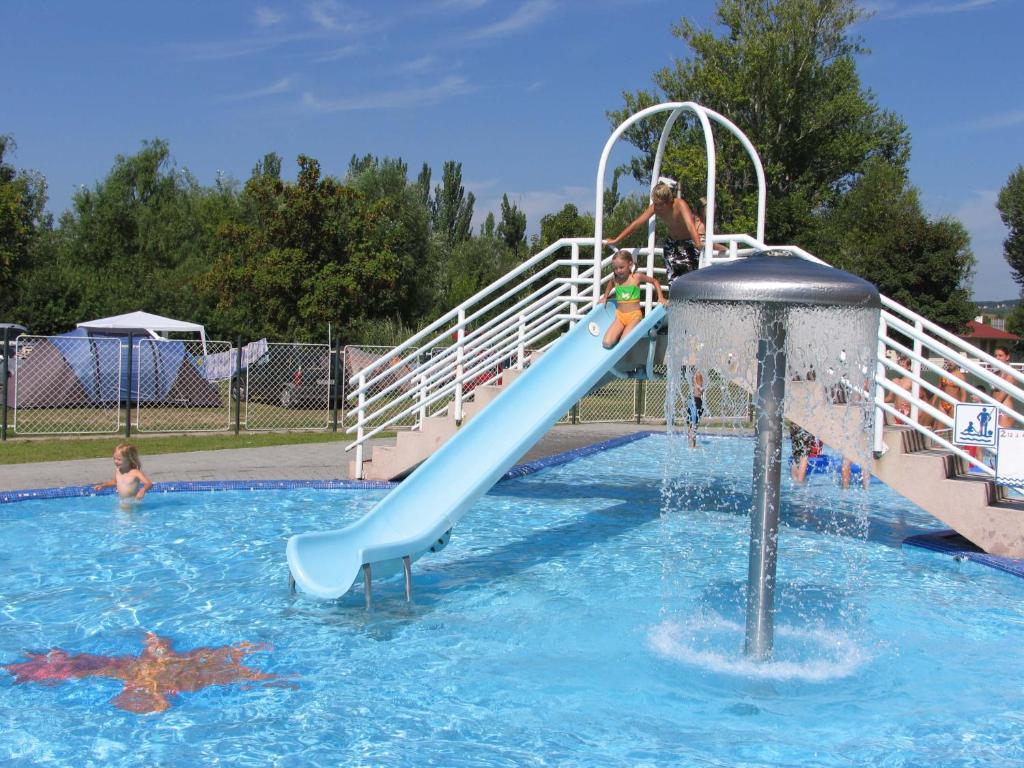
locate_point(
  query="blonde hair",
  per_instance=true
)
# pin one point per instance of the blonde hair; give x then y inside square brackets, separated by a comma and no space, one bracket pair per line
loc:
[130,452]
[662,193]
[624,255]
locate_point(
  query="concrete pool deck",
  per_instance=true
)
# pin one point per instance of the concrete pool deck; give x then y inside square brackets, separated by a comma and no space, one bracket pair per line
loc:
[312,461]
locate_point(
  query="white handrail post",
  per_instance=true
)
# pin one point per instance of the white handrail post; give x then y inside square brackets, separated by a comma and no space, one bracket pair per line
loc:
[521,344]
[423,400]
[360,415]
[460,355]
[915,369]
[879,444]
[574,289]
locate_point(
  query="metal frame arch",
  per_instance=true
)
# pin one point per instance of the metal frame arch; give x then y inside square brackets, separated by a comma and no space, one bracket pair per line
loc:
[702,113]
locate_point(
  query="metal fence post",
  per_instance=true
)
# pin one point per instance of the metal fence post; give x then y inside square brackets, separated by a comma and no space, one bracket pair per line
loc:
[128,397]
[237,389]
[335,374]
[7,354]
[639,399]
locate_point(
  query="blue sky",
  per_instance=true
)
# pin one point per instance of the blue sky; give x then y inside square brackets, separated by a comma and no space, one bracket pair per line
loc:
[516,90]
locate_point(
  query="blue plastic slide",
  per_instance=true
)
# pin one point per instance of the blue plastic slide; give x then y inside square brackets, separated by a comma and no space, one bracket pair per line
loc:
[420,512]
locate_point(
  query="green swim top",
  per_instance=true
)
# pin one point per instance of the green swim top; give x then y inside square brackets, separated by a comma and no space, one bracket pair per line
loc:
[627,292]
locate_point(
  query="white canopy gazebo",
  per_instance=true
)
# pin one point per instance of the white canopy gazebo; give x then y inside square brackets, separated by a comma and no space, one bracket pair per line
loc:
[143,324]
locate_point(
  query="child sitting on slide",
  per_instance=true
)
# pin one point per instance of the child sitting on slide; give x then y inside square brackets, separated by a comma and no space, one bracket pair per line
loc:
[624,289]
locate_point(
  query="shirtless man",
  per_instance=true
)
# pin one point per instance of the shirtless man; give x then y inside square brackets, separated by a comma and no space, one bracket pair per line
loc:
[681,248]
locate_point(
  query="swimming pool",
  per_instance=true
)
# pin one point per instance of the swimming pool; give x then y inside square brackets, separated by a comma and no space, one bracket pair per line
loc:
[569,622]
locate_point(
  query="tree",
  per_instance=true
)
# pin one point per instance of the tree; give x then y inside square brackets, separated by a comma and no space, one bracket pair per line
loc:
[320,251]
[1011,210]
[566,223]
[784,72]
[452,208]
[489,227]
[512,226]
[22,219]
[136,240]
[880,232]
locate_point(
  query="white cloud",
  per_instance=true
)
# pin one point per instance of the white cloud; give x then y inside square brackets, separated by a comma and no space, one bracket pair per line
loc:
[331,16]
[229,49]
[995,122]
[398,99]
[461,5]
[527,15]
[421,64]
[890,10]
[281,86]
[343,52]
[267,17]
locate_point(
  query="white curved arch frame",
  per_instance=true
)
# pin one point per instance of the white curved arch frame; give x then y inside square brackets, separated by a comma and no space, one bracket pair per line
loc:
[705,116]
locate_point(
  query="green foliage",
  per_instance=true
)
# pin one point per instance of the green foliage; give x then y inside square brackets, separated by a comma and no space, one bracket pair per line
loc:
[134,241]
[879,232]
[784,72]
[1015,324]
[512,227]
[1011,210]
[23,221]
[318,251]
[452,208]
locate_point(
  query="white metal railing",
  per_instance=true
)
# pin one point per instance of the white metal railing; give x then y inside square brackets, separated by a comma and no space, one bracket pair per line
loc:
[554,290]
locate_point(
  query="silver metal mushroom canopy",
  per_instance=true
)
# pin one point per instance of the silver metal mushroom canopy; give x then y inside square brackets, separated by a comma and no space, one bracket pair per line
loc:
[800,321]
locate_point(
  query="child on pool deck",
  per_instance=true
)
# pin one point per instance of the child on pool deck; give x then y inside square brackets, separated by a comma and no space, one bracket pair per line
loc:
[129,479]
[624,288]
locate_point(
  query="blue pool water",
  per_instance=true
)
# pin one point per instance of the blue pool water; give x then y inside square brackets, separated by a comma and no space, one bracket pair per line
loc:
[569,622]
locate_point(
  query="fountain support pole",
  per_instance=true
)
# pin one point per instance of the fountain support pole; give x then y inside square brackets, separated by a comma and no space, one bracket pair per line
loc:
[764,519]
[776,283]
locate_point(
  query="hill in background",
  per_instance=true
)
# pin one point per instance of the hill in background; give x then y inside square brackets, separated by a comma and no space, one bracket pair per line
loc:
[999,308]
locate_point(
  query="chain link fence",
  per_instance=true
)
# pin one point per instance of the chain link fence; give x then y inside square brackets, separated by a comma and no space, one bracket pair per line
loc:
[173,388]
[79,385]
[289,387]
[67,385]
[355,359]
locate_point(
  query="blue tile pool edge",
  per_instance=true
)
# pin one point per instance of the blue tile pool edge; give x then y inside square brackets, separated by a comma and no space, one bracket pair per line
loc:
[951,543]
[199,486]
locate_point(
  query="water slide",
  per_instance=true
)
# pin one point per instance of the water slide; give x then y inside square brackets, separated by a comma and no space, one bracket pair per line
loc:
[418,514]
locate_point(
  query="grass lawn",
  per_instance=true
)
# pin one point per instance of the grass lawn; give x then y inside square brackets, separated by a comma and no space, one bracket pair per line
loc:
[27,450]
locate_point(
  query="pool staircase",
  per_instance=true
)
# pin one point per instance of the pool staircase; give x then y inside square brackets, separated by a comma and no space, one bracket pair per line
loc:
[913,465]
[413,446]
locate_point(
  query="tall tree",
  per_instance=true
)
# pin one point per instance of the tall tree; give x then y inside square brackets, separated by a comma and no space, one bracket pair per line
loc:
[319,251]
[512,226]
[22,218]
[784,72]
[1011,210]
[452,207]
[880,232]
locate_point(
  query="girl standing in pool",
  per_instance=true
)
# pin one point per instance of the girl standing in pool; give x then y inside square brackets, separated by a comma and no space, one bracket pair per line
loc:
[129,479]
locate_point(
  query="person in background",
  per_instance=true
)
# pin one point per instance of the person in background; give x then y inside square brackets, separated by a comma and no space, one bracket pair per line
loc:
[696,407]
[1002,354]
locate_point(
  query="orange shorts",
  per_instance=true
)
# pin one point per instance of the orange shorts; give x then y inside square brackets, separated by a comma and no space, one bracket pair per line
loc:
[628,313]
